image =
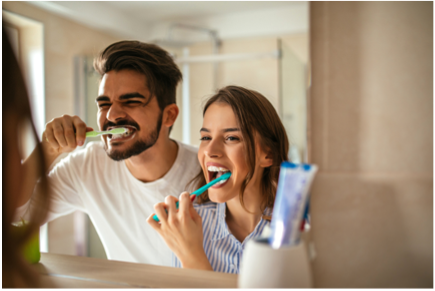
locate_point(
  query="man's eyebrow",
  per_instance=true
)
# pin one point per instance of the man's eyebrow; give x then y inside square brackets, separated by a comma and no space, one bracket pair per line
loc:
[102,98]
[131,95]
[225,130]
[122,97]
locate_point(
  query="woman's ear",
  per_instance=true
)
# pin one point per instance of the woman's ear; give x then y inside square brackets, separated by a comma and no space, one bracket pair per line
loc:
[170,114]
[266,158]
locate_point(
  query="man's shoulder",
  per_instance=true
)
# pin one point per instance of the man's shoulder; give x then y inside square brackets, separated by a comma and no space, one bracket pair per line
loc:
[93,151]
[188,157]
[187,148]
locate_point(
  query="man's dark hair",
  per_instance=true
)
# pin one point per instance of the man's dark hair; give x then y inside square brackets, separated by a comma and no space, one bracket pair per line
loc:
[155,63]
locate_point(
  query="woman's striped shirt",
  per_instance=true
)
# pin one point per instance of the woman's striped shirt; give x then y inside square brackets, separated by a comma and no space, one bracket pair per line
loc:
[223,250]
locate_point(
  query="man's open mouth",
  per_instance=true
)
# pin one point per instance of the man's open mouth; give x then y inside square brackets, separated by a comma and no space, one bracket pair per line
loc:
[123,136]
[215,172]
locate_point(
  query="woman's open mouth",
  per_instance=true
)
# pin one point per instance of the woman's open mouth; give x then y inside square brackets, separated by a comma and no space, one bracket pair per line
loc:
[215,172]
[131,130]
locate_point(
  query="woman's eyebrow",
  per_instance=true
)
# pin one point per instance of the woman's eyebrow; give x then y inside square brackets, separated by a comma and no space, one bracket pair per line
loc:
[231,129]
[224,130]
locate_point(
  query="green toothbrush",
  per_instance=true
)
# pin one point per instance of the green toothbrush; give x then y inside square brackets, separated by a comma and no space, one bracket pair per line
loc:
[118,130]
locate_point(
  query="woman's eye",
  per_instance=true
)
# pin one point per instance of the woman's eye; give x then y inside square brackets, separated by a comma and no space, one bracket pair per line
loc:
[205,138]
[232,138]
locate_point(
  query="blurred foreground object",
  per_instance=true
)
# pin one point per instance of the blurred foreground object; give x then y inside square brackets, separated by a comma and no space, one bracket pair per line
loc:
[16,114]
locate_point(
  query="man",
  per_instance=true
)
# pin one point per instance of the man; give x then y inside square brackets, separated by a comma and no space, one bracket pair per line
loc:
[117,181]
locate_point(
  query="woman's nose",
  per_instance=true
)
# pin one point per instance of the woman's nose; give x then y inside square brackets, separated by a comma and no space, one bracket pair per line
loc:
[115,113]
[214,149]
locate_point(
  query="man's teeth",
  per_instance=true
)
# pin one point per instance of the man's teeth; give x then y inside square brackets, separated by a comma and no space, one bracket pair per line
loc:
[125,134]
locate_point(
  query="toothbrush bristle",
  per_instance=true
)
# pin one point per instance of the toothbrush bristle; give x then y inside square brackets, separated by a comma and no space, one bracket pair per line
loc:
[119,130]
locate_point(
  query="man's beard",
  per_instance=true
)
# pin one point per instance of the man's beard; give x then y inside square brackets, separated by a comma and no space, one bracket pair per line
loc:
[139,146]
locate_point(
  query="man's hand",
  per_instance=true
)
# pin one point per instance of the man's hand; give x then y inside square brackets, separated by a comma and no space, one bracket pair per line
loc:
[182,231]
[63,135]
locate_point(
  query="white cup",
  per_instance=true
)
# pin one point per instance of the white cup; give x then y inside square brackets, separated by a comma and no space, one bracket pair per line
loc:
[265,267]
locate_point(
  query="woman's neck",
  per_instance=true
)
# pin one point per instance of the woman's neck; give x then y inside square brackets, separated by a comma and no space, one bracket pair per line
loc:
[241,222]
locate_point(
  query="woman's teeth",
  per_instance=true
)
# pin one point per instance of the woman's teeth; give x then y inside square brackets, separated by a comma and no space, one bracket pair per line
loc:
[221,182]
[216,169]
[219,172]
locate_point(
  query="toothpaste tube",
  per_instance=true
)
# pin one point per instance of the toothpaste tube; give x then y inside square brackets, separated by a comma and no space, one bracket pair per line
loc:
[290,203]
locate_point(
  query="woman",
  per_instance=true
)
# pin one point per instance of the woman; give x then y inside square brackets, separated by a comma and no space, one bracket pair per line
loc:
[242,134]
[17,273]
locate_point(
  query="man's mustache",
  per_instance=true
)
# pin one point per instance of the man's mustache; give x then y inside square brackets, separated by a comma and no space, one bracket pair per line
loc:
[121,123]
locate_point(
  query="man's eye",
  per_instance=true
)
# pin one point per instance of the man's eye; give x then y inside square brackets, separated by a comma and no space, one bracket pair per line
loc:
[133,102]
[102,105]
[205,138]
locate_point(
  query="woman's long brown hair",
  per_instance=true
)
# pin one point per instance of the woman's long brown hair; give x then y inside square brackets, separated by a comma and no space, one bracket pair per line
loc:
[16,112]
[256,117]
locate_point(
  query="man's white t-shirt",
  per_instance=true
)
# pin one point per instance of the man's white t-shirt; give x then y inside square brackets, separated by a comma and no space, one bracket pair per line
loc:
[117,203]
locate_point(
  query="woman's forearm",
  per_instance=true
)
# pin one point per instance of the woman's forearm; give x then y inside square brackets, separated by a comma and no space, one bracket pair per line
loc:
[31,168]
[196,262]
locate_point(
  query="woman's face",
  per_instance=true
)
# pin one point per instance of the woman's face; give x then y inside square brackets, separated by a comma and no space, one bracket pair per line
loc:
[222,149]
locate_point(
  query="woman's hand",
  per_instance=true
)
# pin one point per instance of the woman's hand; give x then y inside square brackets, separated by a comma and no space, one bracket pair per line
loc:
[182,231]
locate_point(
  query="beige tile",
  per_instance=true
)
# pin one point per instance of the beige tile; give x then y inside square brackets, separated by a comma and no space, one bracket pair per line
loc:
[372,231]
[61,236]
[372,95]
[397,132]
[55,106]
[318,90]
[335,93]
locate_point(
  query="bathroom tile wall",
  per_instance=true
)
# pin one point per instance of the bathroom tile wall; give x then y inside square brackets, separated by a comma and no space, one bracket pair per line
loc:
[371,121]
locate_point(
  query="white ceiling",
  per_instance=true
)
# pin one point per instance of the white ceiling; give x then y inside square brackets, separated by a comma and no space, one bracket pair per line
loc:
[150,20]
[154,11]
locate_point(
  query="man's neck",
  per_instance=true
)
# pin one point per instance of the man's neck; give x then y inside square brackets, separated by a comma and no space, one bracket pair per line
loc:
[155,162]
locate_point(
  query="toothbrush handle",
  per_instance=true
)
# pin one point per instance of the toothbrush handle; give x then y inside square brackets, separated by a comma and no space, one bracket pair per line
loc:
[192,197]
[93,133]
[198,191]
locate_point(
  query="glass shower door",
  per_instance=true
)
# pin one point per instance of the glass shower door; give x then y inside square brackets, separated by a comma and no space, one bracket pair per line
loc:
[293,107]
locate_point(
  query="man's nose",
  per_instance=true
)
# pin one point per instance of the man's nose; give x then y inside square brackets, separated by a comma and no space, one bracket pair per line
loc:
[115,113]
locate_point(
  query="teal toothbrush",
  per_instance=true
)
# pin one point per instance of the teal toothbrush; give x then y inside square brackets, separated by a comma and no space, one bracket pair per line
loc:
[201,190]
[118,130]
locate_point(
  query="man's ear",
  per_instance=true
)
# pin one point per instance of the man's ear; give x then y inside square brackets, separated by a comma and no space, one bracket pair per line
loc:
[170,114]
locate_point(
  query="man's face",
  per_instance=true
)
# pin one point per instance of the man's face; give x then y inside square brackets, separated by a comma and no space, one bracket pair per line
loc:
[125,101]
